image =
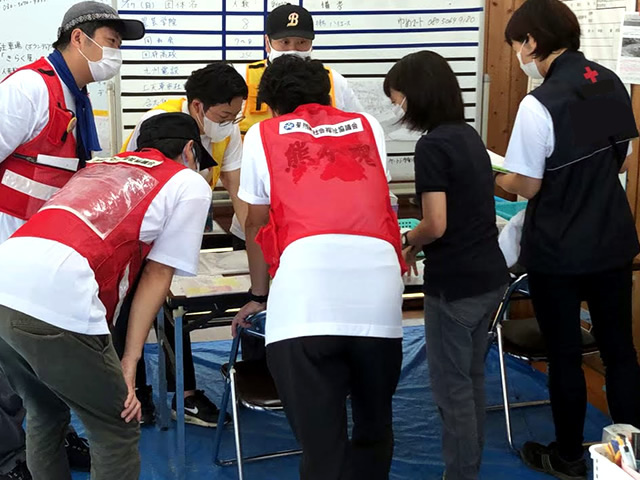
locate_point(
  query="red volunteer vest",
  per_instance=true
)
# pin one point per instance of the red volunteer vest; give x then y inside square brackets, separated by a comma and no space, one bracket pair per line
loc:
[36,169]
[326,178]
[99,214]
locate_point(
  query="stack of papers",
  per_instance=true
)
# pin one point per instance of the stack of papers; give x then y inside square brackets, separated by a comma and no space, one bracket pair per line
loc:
[219,273]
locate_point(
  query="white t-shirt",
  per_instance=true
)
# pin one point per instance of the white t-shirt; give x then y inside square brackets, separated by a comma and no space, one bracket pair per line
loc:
[327,284]
[345,97]
[532,140]
[232,156]
[24,112]
[54,283]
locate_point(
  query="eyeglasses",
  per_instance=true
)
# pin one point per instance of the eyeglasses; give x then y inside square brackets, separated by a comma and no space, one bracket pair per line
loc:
[233,122]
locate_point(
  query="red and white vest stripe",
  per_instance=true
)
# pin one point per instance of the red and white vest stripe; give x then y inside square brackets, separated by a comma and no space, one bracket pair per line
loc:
[38,168]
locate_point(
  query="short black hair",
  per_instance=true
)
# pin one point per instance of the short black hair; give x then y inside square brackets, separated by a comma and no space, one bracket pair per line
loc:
[215,84]
[550,22]
[89,28]
[169,147]
[290,81]
[431,89]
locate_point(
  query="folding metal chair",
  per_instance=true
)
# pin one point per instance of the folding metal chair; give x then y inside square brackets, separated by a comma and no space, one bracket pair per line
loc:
[250,384]
[521,338]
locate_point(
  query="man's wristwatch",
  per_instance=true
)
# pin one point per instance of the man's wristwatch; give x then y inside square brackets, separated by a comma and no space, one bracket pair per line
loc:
[405,240]
[257,298]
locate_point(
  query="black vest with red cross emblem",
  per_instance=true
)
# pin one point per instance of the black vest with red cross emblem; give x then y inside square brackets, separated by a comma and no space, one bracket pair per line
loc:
[580,221]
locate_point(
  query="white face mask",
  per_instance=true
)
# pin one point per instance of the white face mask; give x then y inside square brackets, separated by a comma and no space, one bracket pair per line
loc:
[108,66]
[531,68]
[215,131]
[397,110]
[273,54]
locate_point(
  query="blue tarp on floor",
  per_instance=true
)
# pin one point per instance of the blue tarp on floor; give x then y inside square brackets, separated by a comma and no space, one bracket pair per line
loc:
[416,424]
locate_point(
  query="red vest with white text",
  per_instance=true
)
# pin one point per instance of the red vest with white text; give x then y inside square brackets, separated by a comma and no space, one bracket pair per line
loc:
[99,214]
[38,168]
[326,178]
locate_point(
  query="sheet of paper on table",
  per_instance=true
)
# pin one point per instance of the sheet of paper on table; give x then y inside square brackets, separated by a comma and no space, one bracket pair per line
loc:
[223,263]
[206,285]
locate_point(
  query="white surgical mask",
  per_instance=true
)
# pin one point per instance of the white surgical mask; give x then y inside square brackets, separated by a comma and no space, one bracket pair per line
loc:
[108,66]
[531,68]
[273,54]
[215,131]
[397,110]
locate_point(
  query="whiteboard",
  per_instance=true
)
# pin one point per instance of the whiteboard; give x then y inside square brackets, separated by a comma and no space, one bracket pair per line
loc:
[29,27]
[359,39]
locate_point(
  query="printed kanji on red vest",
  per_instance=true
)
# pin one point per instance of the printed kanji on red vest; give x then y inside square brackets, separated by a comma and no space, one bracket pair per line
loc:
[326,178]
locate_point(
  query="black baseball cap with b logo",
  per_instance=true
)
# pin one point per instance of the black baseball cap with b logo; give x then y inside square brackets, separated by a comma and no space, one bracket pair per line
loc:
[289,21]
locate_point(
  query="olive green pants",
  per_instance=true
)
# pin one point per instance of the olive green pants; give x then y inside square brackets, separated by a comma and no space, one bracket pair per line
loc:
[55,370]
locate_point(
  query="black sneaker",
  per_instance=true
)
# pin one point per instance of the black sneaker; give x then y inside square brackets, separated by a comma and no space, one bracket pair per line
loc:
[547,459]
[20,472]
[199,410]
[145,395]
[78,452]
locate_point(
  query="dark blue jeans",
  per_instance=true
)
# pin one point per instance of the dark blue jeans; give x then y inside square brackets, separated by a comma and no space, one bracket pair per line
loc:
[456,338]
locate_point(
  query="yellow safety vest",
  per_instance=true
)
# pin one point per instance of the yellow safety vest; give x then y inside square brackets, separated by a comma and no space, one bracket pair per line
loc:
[217,151]
[255,112]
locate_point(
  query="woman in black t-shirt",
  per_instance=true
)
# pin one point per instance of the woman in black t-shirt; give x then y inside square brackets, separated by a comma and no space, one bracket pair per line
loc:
[465,272]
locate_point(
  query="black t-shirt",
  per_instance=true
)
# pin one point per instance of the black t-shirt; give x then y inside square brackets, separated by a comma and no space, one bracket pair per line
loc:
[467,260]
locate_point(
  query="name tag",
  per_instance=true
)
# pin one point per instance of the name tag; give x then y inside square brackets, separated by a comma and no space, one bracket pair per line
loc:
[335,130]
[131,159]
[65,163]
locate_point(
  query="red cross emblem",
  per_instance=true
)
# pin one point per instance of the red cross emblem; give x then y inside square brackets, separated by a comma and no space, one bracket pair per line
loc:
[591,75]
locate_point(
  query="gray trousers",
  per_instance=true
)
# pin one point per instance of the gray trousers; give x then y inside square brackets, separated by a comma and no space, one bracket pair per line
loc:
[456,340]
[54,370]
[12,439]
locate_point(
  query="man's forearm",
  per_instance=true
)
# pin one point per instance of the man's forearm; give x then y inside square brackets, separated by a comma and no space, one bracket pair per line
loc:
[240,208]
[231,183]
[258,267]
[148,298]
